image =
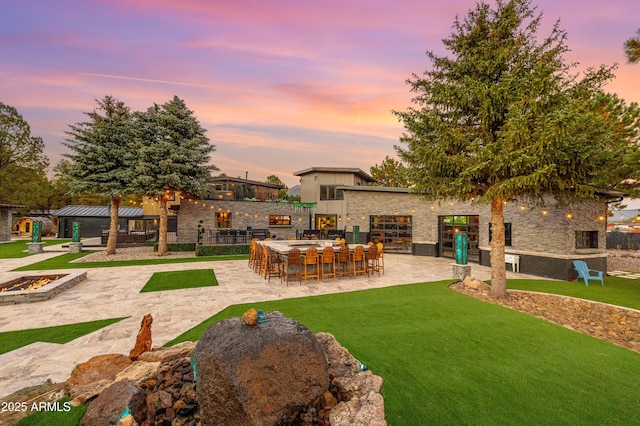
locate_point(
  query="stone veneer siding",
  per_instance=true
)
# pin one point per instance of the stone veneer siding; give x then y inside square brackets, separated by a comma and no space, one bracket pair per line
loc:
[243,214]
[5,225]
[544,237]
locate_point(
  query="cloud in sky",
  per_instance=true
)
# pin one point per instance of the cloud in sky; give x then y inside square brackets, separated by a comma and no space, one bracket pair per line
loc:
[280,86]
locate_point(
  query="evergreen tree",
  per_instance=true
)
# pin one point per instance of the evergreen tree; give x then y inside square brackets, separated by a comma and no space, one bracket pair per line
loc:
[632,48]
[390,173]
[101,158]
[504,118]
[172,155]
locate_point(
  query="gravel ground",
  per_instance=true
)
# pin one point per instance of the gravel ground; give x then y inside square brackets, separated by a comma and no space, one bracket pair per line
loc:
[132,253]
[619,260]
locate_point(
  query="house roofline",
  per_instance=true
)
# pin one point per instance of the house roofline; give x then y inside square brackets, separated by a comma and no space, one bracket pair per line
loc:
[351,170]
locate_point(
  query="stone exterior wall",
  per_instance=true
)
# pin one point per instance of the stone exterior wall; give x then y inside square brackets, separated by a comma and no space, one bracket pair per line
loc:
[548,231]
[5,225]
[243,214]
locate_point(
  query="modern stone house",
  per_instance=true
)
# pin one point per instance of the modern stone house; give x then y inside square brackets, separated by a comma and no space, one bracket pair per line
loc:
[232,209]
[546,240]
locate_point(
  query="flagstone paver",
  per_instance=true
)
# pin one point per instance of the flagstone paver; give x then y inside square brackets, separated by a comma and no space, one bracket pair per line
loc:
[114,292]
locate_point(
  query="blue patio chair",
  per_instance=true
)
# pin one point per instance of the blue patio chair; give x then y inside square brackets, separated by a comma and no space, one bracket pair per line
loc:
[586,274]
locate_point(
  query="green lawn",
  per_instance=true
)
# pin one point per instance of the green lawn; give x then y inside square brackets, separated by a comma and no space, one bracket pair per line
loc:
[447,358]
[17,249]
[10,340]
[176,280]
[64,262]
[55,418]
[450,359]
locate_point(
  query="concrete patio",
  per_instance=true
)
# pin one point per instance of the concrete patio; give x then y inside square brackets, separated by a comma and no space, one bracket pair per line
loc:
[114,292]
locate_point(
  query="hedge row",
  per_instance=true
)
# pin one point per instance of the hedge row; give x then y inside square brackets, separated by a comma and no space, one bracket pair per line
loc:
[222,250]
[178,247]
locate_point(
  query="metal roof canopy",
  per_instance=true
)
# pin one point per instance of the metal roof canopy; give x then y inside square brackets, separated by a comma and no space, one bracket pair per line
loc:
[97,211]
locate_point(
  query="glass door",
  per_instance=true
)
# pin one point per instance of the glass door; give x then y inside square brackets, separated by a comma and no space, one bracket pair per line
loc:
[449,226]
[394,232]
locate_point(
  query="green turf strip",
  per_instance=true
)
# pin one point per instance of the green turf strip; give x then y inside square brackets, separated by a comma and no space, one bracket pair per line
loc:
[176,280]
[447,358]
[17,249]
[10,340]
[66,415]
[64,262]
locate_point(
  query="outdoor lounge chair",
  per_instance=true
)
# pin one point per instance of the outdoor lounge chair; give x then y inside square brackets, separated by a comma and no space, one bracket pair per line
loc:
[586,274]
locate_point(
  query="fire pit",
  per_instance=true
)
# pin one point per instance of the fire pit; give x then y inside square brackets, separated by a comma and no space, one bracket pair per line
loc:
[37,288]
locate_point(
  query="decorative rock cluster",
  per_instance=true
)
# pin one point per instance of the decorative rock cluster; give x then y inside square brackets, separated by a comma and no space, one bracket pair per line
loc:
[160,389]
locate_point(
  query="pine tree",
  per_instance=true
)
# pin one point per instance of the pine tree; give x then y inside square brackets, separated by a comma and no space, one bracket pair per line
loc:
[172,155]
[504,118]
[101,158]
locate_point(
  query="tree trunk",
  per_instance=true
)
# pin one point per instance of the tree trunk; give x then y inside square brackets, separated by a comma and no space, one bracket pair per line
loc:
[113,226]
[498,268]
[163,247]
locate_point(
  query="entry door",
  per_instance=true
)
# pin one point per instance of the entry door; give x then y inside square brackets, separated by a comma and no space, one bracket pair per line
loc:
[325,223]
[449,226]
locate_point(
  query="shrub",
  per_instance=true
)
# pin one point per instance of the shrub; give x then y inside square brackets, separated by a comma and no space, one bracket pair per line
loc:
[178,247]
[222,250]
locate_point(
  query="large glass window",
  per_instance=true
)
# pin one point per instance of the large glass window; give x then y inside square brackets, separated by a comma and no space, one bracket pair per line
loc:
[507,234]
[279,220]
[325,223]
[223,220]
[330,192]
[586,239]
[394,232]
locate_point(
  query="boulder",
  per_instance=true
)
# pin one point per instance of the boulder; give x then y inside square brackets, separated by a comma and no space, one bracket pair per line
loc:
[143,340]
[365,410]
[116,402]
[257,375]
[89,378]
[340,362]
[474,283]
[163,355]
[139,371]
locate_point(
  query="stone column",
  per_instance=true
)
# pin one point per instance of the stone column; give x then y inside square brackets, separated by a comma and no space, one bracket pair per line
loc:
[461,271]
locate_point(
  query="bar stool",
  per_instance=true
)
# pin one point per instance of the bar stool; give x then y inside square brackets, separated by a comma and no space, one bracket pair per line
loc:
[310,259]
[372,260]
[291,266]
[328,263]
[343,267]
[359,262]
[380,257]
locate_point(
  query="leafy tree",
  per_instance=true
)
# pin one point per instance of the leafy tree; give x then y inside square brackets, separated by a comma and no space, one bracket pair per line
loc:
[505,118]
[275,180]
[390,173]
[25,186]
[101,158]
[17,146]
[632,48]
[173,155]
[23,164]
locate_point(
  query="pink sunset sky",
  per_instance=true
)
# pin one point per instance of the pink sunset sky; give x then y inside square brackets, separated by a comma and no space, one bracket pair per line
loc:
[279,85]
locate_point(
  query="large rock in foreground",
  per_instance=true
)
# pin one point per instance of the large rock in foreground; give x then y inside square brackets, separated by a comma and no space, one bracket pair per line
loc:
[257,375]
